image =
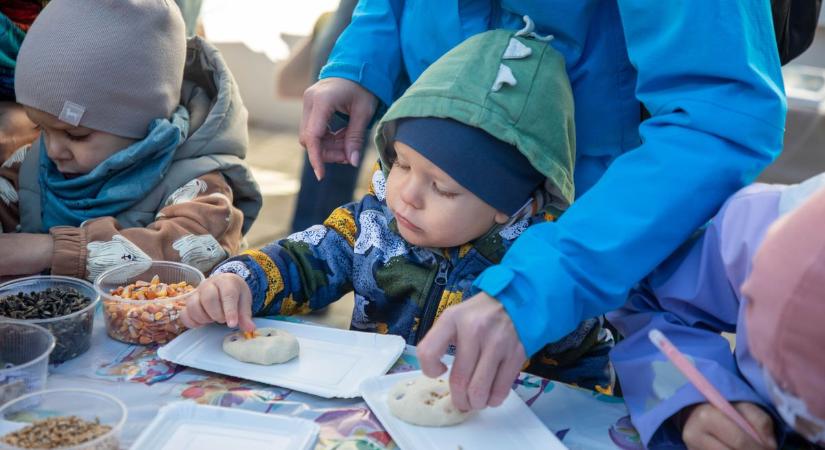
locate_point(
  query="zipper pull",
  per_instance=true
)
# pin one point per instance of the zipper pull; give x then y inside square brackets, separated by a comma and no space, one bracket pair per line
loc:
[441,277]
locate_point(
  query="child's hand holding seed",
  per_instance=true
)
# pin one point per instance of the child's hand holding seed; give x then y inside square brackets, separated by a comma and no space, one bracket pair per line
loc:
[222,298]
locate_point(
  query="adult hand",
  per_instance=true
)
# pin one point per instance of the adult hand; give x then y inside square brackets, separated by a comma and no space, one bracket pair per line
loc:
[489,354]
[708,428]
[25,253]
[321,100]
[16,130]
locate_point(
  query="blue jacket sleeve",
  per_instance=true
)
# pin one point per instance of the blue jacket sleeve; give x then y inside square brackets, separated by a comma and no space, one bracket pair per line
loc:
[369,50]
[691,298]
[712,83]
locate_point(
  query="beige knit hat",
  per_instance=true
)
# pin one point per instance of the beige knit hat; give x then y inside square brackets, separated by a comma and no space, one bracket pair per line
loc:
[108,65]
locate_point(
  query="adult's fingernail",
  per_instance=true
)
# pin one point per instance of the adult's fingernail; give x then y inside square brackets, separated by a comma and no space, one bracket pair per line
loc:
[317,177]
[353,158]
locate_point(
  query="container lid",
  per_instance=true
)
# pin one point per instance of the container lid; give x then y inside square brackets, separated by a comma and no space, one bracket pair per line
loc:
[187,425]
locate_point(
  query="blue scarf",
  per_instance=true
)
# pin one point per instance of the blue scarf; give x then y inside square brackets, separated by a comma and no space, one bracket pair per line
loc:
[10,39]
[117,183]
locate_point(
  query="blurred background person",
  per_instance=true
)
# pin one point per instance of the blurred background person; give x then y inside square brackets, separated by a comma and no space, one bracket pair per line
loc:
[318,198]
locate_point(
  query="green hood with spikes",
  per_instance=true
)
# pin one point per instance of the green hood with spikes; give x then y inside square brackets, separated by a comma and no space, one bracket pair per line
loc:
[514,86]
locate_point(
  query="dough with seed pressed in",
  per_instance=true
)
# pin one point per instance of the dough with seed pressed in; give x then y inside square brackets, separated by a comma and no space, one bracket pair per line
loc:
[268,346]
[424,401]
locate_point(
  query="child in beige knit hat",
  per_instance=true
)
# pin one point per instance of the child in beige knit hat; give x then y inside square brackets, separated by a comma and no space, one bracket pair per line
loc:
[141,146]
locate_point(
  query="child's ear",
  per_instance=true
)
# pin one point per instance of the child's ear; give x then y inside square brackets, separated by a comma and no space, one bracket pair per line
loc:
[390,154]
[501,218]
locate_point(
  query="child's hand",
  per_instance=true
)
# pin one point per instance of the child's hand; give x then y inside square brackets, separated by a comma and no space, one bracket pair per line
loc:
[223,298]
[708,428]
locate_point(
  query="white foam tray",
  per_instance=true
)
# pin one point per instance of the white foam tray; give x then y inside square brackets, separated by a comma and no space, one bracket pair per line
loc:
[511,425]
[187,425]
[331,362]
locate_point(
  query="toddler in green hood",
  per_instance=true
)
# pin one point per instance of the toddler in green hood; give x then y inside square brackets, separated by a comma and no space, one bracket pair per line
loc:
[477,150]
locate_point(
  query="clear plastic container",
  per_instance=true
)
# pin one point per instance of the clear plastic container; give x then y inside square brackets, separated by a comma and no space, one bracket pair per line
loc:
[86,404]
[72,332]
[144,322]
[24,358]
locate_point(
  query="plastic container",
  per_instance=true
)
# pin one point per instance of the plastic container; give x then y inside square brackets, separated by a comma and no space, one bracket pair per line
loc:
[189,426]
[24,358]
[72,332]
[145,321]
[86,404]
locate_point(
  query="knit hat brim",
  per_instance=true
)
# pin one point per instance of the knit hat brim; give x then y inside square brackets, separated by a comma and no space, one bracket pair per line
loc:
[493,170]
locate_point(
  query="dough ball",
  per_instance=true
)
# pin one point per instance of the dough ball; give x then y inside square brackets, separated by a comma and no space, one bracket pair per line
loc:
[268,346]
[425,401]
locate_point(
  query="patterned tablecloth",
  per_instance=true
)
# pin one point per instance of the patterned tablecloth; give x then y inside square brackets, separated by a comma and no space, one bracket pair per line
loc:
[144,382]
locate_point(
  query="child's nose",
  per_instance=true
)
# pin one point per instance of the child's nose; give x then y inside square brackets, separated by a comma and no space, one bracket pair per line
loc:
[56,149]
[411,194]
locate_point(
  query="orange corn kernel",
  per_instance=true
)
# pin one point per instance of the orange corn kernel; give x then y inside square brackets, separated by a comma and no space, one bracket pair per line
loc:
[155,289]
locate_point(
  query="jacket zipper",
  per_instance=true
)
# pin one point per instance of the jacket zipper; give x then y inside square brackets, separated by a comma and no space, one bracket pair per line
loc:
[431,307]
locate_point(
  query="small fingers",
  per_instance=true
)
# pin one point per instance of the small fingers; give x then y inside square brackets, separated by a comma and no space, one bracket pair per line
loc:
[245,310]
[711,421]
[212,303]
[194,315]
[761,422]
[185,315]
[704,442]
[698,432]
[229,293]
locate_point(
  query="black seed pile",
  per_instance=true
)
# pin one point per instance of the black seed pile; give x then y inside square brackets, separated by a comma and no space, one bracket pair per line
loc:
[73,336]
[53,302]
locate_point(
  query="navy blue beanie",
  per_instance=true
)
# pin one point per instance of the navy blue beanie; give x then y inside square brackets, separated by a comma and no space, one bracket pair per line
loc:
[493,170]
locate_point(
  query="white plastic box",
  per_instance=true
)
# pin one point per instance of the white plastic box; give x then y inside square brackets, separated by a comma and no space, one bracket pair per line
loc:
[189,426]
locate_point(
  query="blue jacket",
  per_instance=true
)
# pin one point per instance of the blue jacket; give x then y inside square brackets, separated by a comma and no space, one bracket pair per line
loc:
[693,297]
[707,71]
